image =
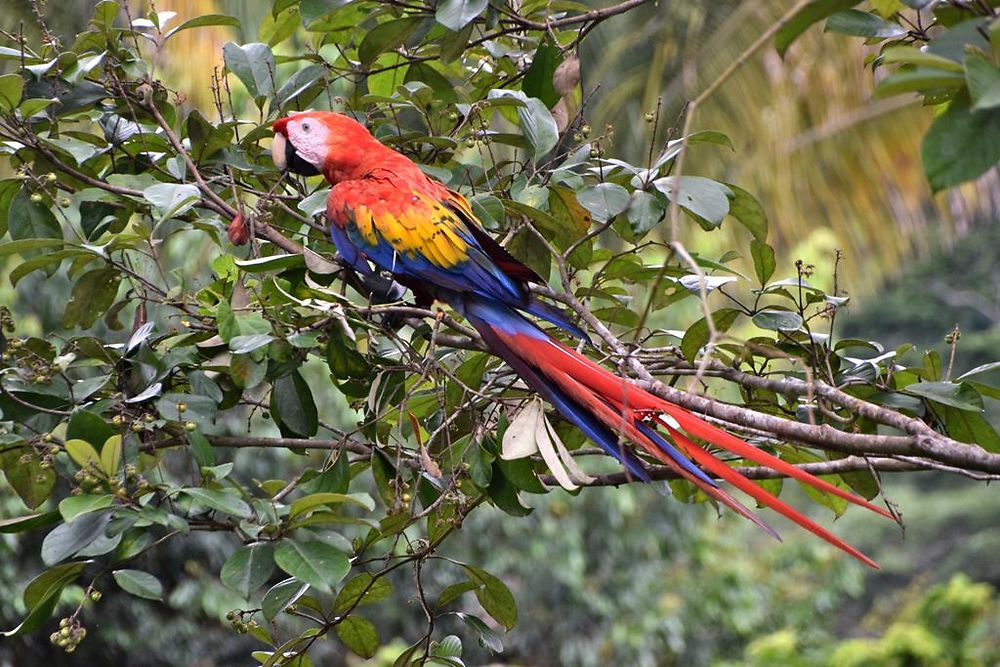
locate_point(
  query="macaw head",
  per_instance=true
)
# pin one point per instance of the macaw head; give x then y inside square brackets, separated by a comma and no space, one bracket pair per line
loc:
[321,142]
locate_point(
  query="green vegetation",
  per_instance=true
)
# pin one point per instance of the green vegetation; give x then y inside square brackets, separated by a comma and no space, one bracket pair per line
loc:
[220,445]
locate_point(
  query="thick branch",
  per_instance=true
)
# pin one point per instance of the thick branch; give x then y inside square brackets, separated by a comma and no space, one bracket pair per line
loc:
[849,464]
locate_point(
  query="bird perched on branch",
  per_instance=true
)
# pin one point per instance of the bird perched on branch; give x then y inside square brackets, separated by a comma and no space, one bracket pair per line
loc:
[386,214]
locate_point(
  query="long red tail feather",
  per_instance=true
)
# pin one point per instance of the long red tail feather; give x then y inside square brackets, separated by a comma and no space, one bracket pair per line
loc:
[622,407]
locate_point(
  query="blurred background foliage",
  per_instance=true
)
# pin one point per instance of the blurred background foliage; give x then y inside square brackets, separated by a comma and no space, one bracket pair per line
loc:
[613,580]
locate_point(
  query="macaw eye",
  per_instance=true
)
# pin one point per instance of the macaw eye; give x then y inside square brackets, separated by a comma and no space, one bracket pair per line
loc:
[306,127]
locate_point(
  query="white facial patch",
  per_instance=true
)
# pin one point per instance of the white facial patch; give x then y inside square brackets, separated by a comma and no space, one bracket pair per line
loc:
[309,139]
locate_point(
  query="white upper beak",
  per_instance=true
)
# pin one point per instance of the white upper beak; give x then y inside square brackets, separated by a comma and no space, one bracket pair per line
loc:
[278,151]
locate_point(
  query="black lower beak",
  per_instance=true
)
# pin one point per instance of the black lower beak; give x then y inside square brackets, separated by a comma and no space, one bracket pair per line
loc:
[296,164]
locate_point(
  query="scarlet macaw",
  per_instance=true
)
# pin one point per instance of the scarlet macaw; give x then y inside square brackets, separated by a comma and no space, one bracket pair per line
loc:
[385,211]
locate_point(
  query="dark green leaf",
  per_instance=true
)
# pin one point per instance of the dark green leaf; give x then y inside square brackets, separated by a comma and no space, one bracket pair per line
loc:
[228,501]
[706,199]
[282,594]
[699,334]
[293,407]
[494,596]
[972,427]
[862,24]
[249,568]
[456,14]
[22,524]
[745,208]
[984,82]
[11,86]
[31,220]
[763,260]
[604,201]
[487,636]
[140,584]
[253,64]
[961,395]
[923,80]
[778,320]
[815,11]
[313,562]
[359,635]
[361,590]
[67,539]
[960,145]
[537,80]
[92,295]
[205,20]
[385,37]
[42,594]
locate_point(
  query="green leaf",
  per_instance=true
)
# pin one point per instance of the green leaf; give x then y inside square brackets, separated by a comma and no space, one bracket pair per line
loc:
[984,82]
[604,201]
[67,539]
[537,80]
[74,506]
[248,568]
[537,124]
[918,80]
[698,334]
[748,211]
[971,427]
[43,593]
[763,260]
[85,425]
[31,482]
[171,199]
[453,592]
[313,562]
[111,455]
[862,24]
[140,584]
[228,501]
[253,64]
[704,198]
[11,86]
[360,635]
[202,449]
[309,78]
[385,37]
[778,320]
[494,596]
[343,357]
[203,21]
[911,55]
[31,220]
[487,636]
[815,11]
[456,14]
[961,395]
[293,407]
[315,500]
[247,344]
[361,590]
[92,295]
[83,453]
[960,145]
[23,524]
[282,594]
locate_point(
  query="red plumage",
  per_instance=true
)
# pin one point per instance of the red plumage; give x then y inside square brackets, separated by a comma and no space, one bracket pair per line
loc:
[384,210]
